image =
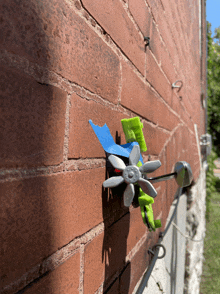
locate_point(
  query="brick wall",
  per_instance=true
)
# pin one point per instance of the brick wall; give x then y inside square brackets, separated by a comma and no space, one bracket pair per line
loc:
[64,62]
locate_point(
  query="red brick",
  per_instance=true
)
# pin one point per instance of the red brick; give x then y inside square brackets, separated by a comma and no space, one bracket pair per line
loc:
[137,229]
[137,96]
[134,270]
[165,210]
[172,150]
[62,42]
[183,9]
[187,103]
[160,186]
[185,144]
[176,102]
[196,175]
[155,43]
[166,118]
[186,118]
[115,21]
[64,279]
[40,215]
[94,270]
[142,16]
[157,79]
[82,139]
[32,120]
[174,24]
[106,254]
[167,64]
[165,32]
[155,138]
[156,8]
[117,241]
[115,245]
[178,16]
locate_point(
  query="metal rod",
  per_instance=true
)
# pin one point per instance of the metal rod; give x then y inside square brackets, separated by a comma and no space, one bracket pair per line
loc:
[162,178]
[149,271]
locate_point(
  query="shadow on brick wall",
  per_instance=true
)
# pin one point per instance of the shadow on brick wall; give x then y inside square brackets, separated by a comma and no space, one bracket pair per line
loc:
[117,223]
[32,131]
[115,241]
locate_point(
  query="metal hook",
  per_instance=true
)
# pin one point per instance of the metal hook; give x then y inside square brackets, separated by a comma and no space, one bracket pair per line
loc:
[175,86]
[154,248]
[164,250]
[147,40]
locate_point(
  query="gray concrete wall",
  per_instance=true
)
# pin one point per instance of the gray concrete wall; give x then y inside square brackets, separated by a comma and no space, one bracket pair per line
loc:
[180,270]
[195,228]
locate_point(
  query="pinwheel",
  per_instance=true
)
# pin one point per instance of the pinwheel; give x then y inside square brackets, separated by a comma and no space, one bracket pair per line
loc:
[132,174]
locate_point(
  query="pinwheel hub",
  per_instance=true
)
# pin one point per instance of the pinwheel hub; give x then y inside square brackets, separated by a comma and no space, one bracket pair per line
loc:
[131,174]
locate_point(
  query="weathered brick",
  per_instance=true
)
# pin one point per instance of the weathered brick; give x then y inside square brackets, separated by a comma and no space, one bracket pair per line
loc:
[177,17]
[156,8]
[157,79]
[32,121]
[176,101]
[171,120]
[183,8]
[62,42]
[186,118]
[142,16]
[115,21]
[138,97]
[82,139]
[64,279]
[41,214]
[174,24]
[165,32]
[167,64]
[155,42]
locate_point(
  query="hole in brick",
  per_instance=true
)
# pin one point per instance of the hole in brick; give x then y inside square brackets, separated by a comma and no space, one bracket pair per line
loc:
[78,5]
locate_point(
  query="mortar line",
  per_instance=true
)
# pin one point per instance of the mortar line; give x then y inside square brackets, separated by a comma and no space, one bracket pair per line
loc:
[67,125]
[82,265]
[79,89]
[120,85]
[161,69]
[170,138]
[111,43]
[153,17]
[126,8]
[24,173]
[55,260]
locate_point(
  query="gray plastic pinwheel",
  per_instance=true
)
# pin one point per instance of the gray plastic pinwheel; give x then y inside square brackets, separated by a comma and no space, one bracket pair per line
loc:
[132,175]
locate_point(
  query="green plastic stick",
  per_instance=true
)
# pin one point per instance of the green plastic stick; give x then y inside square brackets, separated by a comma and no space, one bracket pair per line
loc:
[132,128]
